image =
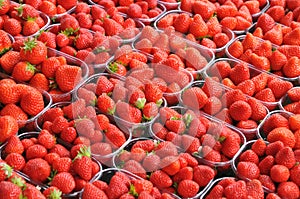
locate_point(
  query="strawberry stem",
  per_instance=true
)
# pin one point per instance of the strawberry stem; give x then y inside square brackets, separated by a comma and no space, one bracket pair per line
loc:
[7,169]
[29,44]
[55,194]
[132,191]
[140,103]
[83,151]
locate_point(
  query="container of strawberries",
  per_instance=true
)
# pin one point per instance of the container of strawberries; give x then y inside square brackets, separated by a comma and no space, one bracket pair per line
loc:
[24,21]
[254,82]
[165,166]
[32,151]
[119,183]
[232,186]
[19,185]
[22,102]
[80,122]
[273,164]
[264,55]
[291,101]
[225,104]
[170,4]
[212,34]
[44,68]
[212,142]
[128,105]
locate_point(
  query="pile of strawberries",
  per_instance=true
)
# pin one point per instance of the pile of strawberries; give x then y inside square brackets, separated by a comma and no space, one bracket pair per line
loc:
[167,167]
[152,99]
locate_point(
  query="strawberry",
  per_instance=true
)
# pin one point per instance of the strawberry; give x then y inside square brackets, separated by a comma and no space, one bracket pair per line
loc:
[32,102]
[258,110]
[194,58]
[226,11]
[239,106]
[129,113]
[207,175]
[290,69]
[242,23]
[91,191]
[46,139]
[115,136]
[111,27]
[67,83]
[82,163]
[14,145]
[294,94]
[277,60]
[263,49]
[32,166]
[279,87]
[229,22]
[116,187]
[4,7]
[260,62]
[9,127]
[134,11]
[265,95]
[194,94]
[33,51]
[67,4]
[16,161]
[36,151]
[265,22]
[260,81]
[248,170]
[153,93]
[288,190]
[236,49]
[12,26]
[106,104]
[198,27]
[182,23]
[64,181]
[150,110]
[160,179]
[23,71]
[279,173]
[282,134]
[16,112]
[8,188]
[239,73]
[62,164]
[9,60]
[285,157]
[187,188]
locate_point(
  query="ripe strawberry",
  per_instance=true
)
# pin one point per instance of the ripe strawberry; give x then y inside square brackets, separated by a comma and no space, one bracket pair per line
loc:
[160,179]
[33,51]
[194,94]
[285,157]
[266,164]
[288,190]
[12,26]
[23,71]
[67,83]
[279,173]
[115,136]
[9,127]
[9,60]
[91,191]
[182,23]
[290,69]
[198,27]
[265,22]
[82,163]
[240,106]
[16,161]
[265,95]
[129,113]
[258,110]
[279,87]
[14,145]
[236,49]
[194,58]
[32,102]
[46,139]
[8,188]
[64,181]
[4,8]
[37,164]
[282,134]
[248,170]
[116,187]
[207,175]
[188,188]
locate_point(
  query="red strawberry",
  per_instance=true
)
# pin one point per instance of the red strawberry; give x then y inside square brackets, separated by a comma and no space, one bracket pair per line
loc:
[240,106]
[198,27]
[279,173]
[64,181]
[33,51]
[67,83]
[14,145]
[248,170]
[37,164]
[290,69]
[8,188]
[82,163]
[187,188]
[160,179]
[91,191]
[9,127]
[129,113]
[279,87]
[194,94]
[207,175]
[115,136]
[265,22]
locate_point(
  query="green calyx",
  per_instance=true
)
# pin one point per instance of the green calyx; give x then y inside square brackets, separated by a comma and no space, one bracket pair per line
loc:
[30,67]
[69,31]
[52,174]
[140,103]
[83,151]
[55,194]
[29,44]
[159,102]
[113,67]
[188,118]
[2,3]
[7,169]
[222,139]
[31,19]
[19,182]
[4,50]
[20,9]
[100,49]
[147,118]
[132,191]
